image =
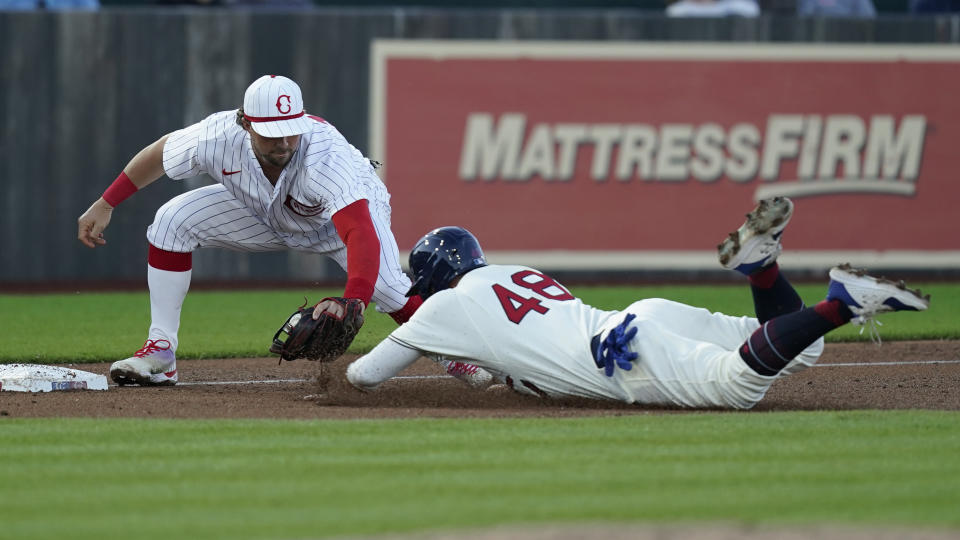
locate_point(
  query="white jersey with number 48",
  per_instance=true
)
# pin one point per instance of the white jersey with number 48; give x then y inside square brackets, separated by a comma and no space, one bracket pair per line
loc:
[528,331]
[521,326]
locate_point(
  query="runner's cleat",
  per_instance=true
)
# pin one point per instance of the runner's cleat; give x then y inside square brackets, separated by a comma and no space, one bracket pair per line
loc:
[866,296]
[756,243]
[474,376]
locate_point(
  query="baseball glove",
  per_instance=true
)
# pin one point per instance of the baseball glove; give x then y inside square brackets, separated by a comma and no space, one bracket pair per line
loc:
[323,339]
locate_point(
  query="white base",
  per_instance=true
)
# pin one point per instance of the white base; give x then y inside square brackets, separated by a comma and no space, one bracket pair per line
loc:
[40,378]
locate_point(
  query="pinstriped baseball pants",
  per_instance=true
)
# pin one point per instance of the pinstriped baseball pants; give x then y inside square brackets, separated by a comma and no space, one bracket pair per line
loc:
[211,216]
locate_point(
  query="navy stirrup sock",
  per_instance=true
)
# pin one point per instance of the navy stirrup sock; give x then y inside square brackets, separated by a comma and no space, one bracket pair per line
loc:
[773,295]
[781,339]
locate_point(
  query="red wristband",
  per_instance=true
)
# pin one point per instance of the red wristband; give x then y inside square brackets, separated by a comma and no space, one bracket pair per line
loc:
[119,190]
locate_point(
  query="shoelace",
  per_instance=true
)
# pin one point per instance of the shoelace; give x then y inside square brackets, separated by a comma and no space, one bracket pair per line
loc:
[873,325]
[151,346]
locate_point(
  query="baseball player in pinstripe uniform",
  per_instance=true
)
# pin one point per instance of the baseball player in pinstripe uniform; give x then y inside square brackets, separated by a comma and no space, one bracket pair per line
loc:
[526,330]
[285,180]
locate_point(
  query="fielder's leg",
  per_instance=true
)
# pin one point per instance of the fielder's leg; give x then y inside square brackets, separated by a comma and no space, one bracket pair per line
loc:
[168,277]
[155,364]
[208,216]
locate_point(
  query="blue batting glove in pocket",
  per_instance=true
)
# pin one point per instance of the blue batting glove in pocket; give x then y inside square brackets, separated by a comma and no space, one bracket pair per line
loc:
[615,350]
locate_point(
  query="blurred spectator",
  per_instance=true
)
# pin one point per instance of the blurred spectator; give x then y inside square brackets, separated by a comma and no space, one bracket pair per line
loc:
[238,3]
[189,2]
[268,3]
[59,5]
[713,8]
[934,6]
[836,8]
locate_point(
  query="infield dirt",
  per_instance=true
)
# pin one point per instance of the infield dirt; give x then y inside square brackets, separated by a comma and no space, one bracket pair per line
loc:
[896,375]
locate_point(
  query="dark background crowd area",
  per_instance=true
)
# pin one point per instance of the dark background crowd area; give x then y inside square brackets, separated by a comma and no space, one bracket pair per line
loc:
[698,8]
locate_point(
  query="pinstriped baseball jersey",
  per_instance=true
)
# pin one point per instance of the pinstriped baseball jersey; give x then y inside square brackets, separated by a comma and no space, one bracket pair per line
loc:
[324,175]
[246,212]
[515,322]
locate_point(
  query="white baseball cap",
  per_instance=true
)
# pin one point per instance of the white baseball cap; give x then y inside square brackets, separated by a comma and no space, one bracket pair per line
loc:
[274,106]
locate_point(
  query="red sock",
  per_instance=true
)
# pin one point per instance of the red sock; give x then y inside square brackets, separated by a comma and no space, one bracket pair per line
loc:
[173,261]
[834,311]
[765,277]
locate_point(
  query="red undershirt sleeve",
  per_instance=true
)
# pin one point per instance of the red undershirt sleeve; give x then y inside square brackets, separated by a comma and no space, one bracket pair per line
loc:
[355,228]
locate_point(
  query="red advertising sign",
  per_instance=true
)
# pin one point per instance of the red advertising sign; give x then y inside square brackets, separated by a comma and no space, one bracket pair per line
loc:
[648,154]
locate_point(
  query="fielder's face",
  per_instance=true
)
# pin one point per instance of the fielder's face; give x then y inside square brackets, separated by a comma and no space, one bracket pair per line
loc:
[275,151]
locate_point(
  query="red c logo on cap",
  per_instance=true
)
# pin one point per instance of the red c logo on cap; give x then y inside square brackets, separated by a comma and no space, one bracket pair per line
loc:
[281,105]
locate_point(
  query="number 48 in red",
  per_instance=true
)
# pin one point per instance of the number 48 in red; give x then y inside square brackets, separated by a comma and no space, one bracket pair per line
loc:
[516,307]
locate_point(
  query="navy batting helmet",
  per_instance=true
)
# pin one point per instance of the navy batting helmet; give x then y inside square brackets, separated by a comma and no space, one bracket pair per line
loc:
[440,256]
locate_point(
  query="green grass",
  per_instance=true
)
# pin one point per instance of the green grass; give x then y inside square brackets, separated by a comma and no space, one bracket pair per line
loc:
[88,478]
[238,479]
[86,326]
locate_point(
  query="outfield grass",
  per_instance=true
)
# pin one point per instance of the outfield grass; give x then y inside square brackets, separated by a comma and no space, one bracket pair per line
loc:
[88,478]
[87,326]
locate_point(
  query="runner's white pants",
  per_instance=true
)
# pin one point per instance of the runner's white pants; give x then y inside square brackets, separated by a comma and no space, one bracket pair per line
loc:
[690,357]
